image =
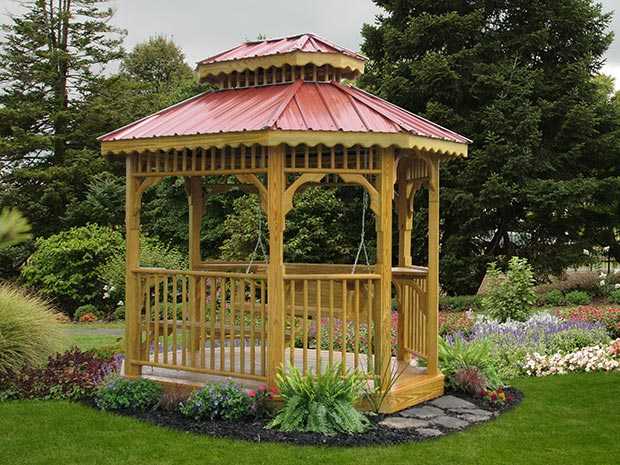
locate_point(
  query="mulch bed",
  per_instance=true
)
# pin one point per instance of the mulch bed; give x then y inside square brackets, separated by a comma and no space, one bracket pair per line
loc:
[255,431]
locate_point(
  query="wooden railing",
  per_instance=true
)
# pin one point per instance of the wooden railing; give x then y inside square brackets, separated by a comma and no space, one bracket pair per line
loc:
[411,287]
[329,320]
[208,322]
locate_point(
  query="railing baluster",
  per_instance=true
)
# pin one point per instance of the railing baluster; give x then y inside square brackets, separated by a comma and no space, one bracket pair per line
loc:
[149,329]
[202,305]
[184,320]
[164,309]
[305,329]
[263,344]
[157,321]
[232,325]
[356,349]
[318,327]
[175,319]
[222,323]
[343,328]
[253,327]
[331,323]
[241,299]
[212,321]
[293,285]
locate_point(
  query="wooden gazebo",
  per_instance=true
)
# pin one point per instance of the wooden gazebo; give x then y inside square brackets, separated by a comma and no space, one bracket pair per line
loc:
[280,120]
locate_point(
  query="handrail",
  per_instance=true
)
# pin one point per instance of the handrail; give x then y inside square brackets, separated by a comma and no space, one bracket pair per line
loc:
[339,276]
[209,274]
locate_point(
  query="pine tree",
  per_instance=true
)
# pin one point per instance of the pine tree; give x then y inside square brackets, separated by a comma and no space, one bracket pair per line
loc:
[516,77]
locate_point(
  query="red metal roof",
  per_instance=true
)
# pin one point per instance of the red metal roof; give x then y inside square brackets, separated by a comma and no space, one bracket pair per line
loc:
[298,106]
[299,43]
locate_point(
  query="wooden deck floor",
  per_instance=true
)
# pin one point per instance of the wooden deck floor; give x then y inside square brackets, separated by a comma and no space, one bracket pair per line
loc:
[412,384]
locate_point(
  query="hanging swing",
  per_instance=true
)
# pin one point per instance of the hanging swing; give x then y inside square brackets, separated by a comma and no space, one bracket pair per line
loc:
[259,241]
[362,246]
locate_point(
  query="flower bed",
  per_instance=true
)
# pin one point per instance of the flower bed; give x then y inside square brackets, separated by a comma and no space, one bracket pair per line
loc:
[542,333]
[609,317]
[596,358]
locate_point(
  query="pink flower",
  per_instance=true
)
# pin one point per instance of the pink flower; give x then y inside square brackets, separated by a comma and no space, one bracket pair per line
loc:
[251,393]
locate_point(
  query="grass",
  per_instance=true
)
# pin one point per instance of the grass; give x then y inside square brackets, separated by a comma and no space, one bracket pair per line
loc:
[564,419]
[92,335]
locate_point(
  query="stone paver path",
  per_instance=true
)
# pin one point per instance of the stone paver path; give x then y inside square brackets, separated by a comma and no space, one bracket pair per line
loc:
[435,418]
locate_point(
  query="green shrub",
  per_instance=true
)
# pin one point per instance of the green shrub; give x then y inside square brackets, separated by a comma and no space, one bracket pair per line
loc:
[320,404]
[462,355]
[84,309]
[578,298]
[64,266]
[126,394]
[512,296]
[614,296]
[218,401]
[460,303]
[574,339]
[153,253]
[554,297]
[29,330]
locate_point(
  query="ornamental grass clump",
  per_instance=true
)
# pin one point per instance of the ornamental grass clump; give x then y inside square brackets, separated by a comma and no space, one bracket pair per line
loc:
[29,330]
[320,404]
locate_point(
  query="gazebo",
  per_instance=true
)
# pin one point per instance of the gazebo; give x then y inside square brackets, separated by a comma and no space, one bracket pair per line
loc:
[280,120]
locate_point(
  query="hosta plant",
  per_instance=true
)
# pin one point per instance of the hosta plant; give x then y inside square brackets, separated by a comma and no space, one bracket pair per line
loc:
[320,404]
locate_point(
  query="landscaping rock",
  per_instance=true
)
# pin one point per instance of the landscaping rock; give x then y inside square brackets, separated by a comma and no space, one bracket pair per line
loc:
[469,411]
[425,412]
[451,402]
[429,432]
[401,423]
[474,418]
[449,422]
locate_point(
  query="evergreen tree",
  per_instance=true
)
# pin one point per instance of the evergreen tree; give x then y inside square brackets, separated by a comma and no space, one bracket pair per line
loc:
[516,77]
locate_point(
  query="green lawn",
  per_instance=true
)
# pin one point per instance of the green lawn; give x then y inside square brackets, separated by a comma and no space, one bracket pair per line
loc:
[572,419]
[93,335]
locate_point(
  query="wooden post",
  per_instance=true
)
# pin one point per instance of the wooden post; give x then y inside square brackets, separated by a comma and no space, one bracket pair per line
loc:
[275,269]
[132,253]
[196,206]
[432,294]
[383,316]
[405,214]
[405,226]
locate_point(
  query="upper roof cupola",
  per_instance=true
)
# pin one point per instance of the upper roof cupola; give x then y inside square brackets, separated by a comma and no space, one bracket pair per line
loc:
[273,61]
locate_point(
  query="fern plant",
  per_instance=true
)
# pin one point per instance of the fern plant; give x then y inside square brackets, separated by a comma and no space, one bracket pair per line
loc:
[464,355]
[321,403]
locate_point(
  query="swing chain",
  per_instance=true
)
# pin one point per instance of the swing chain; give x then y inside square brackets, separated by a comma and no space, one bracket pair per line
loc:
[259,241]
[362,246]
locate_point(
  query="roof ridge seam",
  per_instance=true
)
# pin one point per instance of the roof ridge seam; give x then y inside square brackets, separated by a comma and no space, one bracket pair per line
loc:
[277,113]
[329,111]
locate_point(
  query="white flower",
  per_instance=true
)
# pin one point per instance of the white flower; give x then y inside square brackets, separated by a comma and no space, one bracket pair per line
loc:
[586,252]
[120,302]
[106,295]
[602,283]
[617,286]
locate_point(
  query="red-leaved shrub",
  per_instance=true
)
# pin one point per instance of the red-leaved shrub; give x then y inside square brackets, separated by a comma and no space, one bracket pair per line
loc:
[72,375]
